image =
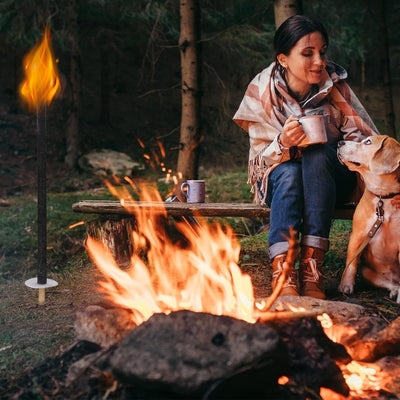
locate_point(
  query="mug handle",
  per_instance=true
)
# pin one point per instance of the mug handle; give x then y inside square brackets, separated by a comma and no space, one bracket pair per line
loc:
[185,192]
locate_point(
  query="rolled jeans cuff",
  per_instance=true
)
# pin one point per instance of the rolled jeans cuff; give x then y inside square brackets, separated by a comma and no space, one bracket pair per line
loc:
[315,241]
[278,248]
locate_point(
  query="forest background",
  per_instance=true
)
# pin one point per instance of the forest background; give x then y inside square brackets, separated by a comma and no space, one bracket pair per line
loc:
[119,62]
[120,67]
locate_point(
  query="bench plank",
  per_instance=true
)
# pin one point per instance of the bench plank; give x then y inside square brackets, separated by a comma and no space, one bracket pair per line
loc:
[174,209]
[178,209]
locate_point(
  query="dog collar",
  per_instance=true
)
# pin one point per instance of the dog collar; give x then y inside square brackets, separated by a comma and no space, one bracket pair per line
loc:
[387,196]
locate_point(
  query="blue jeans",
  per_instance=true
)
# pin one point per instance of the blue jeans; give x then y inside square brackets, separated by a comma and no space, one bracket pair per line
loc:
[303,194]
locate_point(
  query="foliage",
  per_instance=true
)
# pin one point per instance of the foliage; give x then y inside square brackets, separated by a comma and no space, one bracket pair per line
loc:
[238,31]
[21,20]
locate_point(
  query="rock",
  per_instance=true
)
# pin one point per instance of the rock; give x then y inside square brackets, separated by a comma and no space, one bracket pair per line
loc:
[104,327]
[186,352]
[108,163]
[199,354]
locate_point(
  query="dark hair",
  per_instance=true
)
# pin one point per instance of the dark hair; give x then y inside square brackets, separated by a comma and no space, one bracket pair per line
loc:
[293,29]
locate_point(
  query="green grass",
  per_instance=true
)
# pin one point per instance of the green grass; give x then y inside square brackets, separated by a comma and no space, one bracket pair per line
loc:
[18,240]
[228,188]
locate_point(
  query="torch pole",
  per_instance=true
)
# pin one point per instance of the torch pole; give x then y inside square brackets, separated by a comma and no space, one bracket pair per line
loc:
[41,196]
[41,282]
[40,86]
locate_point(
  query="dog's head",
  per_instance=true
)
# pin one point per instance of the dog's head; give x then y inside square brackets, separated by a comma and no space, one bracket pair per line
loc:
[376,156]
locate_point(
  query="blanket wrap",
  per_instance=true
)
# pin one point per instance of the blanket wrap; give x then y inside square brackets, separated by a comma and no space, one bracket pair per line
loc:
[266,105]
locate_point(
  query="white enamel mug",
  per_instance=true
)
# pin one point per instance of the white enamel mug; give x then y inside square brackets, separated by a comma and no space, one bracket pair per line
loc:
[194,191]
[314,129]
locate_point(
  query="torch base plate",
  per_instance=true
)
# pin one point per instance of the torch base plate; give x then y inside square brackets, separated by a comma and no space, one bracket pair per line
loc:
[32,283]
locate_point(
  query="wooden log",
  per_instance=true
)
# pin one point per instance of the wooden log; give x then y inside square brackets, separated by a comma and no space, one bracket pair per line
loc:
[173,209]
[248,210]
[115,233]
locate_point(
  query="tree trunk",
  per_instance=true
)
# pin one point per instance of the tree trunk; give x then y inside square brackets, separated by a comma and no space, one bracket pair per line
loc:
[105,84]
[387,76]
[72,124]
[283,9]
[190,136]
[116,234]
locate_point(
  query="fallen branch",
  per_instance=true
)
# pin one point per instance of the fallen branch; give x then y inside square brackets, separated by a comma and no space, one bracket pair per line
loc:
[280,315]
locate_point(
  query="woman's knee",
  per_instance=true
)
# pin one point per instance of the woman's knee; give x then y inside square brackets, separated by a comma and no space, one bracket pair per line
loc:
[287,174]
[319,156]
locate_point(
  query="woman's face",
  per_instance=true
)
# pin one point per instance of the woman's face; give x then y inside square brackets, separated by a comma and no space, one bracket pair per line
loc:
[306,62]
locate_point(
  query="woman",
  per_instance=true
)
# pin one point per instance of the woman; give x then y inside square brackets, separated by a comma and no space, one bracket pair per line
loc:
[300,184]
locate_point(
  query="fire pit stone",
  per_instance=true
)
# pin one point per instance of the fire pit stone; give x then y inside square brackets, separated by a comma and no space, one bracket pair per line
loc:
[191,354]
[187,352]
[103,326]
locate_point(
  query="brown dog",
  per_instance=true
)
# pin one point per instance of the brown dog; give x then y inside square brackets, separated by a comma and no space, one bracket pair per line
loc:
[376,221]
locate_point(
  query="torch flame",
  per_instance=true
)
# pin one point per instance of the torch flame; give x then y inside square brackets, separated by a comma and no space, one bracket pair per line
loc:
[41,82]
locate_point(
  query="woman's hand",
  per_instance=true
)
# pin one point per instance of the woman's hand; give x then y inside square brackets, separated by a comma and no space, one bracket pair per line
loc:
[293,133]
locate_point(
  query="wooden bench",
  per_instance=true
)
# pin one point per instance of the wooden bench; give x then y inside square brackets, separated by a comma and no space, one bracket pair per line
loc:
[116,222]
[178,209]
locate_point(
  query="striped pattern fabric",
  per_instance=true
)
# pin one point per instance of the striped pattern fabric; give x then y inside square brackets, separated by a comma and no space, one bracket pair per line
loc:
[266,105]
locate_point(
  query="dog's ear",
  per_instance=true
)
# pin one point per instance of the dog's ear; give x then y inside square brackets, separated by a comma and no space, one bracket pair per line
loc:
[387,158]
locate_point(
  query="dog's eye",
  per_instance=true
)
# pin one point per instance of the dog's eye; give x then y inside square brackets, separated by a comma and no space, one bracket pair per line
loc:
[367,141]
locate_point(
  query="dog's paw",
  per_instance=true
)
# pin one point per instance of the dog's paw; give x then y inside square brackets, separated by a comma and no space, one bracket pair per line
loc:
[395,294]
[346,288]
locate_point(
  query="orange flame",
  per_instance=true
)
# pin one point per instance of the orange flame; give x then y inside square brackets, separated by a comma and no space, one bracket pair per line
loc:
[202,275]
[358,375]
[42,82]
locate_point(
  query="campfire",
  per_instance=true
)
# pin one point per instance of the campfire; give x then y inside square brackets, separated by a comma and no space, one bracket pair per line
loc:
[173,289]
[201,274]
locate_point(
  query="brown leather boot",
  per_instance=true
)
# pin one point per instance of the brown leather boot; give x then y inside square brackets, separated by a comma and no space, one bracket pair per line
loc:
[290,287]
[311,280]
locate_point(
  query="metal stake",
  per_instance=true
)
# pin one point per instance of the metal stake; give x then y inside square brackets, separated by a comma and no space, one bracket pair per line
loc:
[41,282]
[41,196]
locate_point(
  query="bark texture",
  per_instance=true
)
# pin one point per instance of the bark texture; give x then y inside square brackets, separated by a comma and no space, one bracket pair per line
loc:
[387,74]
[190,136]
[72,123]
[283,9]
